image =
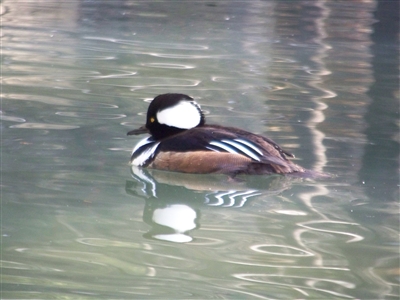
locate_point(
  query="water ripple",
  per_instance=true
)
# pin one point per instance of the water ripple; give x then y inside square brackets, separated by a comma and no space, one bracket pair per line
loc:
[100,242]
[355,237]
[168,66]
[58,101]
[284,250]
[91,115]
[88,57]
[79,261]
[185,56]
[4,117]
[154,82]
[280,266]
[147,44]
[22,266]
[123,74]
[45,126]
[301,284]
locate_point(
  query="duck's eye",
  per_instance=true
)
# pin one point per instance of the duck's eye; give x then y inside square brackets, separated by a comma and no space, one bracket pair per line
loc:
[152,119]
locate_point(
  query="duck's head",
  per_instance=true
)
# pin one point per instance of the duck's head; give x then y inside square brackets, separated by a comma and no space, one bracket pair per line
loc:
[169,114]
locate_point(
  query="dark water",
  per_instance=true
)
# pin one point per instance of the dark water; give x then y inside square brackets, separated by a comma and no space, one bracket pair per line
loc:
[318,77]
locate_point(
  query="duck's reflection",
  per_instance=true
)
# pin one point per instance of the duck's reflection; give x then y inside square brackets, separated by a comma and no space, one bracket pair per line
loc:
[174,200]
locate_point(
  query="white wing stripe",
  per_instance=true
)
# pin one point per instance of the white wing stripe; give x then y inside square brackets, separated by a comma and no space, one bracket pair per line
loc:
[242,148]
[213,149]
[236,146]
[223,146]
[250,145]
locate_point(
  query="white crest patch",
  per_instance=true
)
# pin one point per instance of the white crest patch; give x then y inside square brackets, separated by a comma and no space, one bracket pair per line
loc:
[184,115]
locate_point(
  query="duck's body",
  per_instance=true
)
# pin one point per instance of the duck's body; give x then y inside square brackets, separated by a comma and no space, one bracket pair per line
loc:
[181,142]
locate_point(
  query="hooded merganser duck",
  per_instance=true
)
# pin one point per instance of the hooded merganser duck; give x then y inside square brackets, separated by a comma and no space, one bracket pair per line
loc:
[180,141]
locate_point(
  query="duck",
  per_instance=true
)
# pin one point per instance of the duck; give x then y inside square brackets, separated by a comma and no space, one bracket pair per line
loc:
[180,141]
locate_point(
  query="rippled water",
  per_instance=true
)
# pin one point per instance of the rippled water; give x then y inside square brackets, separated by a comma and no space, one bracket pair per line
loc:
[319,77]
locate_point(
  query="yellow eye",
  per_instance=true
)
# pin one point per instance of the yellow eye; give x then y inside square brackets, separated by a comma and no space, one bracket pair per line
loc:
[152,120]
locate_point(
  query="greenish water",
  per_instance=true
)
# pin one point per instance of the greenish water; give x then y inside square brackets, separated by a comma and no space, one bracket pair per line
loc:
[320,78]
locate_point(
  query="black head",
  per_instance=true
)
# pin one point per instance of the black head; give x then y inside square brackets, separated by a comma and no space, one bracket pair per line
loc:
[169,114]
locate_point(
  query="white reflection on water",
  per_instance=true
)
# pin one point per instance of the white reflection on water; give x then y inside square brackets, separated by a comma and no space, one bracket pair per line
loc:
[180,218]
[235,198]
[170,210]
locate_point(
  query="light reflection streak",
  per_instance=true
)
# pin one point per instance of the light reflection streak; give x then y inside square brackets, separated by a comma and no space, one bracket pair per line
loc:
[22,266]
[45,126]
[301,291]
[91,57]
[185,56]
[147,44]
[168,66]
[127,74]
[102,242]
[302,253]
[99,116]
[4,117]
[57,101]
[317,116]
[162,82]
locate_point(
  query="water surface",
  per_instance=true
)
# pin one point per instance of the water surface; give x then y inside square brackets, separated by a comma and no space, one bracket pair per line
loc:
[320,78]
